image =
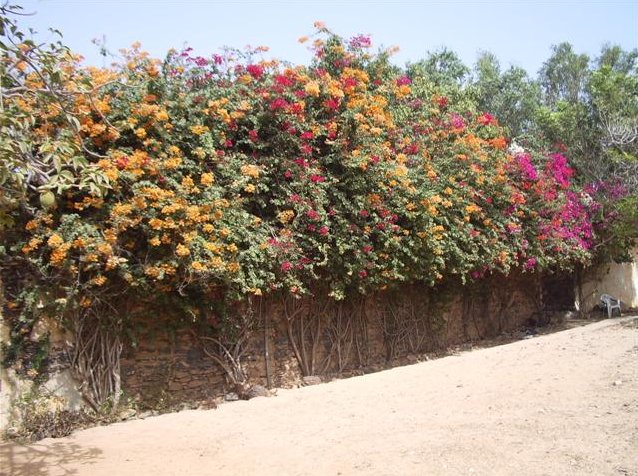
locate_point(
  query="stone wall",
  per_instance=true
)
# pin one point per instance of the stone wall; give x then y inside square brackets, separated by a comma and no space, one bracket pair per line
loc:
[170,366]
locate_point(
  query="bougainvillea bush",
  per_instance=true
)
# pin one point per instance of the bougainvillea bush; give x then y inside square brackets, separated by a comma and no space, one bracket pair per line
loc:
[233,175]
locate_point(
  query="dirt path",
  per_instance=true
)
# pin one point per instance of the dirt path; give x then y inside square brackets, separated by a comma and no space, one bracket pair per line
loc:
[558,404]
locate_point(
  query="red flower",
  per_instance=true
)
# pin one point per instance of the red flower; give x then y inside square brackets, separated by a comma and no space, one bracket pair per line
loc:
[363,273]
[332,103]
[279,103]
[317,178]
[283,80]
[122,162]
[312,214]
[253,135]
[255,70]
[486,119]
[349,83]
[288,174]
[307,135]
[367,248]
[364,213]
[301,162]
[324,230]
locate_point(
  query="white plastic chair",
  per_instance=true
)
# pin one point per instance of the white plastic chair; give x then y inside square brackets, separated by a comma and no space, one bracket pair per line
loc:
[611,303]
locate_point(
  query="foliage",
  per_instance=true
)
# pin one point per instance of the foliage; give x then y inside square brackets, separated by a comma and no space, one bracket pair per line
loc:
[193,179]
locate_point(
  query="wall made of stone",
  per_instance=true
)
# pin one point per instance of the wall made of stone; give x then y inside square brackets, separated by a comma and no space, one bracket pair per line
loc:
[169,366]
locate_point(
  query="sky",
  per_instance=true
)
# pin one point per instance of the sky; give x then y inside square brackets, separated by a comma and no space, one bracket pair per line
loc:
[519,33]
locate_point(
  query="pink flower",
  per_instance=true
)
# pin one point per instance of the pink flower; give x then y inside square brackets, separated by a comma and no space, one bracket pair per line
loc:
[457,121]
[560,170]
[317,178]
[295,198]
[312,214]
[324,230]
[288,174]
[253,135]
[307,135]
[530,263]
[363,273]
[404,81]
[367,248]
[286,266]
[364,213]
[527,168]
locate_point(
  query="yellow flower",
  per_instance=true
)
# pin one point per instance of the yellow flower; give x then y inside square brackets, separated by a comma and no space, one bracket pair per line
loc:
[181,250]
[312,88]
[250,171]
[250,188]
[105,249]
[140,132]
[55,241]
[187,183]
[155,241]
[197,266]
[286,216]
[303,39]
[199,129]
[207,179]
[99,280]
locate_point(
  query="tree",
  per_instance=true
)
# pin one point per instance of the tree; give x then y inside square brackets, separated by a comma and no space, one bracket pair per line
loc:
[509,95]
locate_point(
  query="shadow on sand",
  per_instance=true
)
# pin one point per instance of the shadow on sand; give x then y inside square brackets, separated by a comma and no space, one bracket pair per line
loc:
[56,458]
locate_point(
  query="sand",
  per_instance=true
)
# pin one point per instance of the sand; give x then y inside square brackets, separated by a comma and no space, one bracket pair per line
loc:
[558,404]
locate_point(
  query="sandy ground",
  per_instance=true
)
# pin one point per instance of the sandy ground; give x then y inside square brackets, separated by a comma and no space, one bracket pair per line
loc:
[557,404]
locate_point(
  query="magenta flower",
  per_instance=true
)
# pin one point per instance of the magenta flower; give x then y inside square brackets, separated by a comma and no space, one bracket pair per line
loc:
[360,41]
[404,81]
[530,263]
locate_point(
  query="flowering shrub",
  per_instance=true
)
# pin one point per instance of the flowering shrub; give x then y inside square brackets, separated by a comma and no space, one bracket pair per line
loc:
[236,175]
